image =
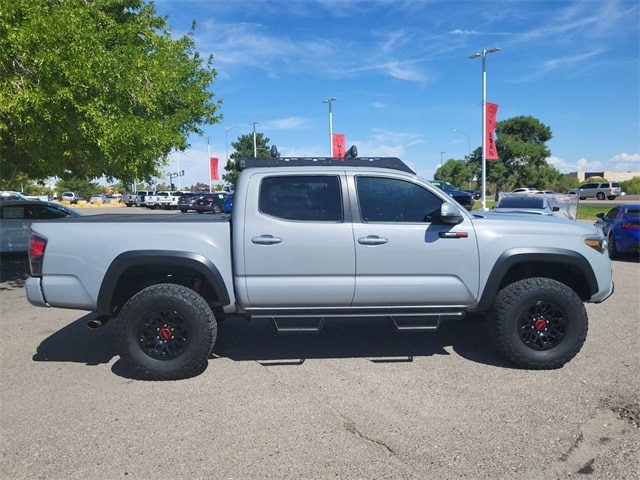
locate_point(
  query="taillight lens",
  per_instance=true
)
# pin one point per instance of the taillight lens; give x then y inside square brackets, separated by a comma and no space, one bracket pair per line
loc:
[631,226]
[37,245]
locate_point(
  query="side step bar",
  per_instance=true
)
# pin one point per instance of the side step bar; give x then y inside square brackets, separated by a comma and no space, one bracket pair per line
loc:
[402,322]
[298,325]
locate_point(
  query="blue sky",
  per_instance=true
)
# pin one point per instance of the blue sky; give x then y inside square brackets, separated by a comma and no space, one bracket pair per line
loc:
[404,84]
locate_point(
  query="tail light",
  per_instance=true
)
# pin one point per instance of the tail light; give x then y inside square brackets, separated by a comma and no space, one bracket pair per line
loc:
[37,245]
[631,226]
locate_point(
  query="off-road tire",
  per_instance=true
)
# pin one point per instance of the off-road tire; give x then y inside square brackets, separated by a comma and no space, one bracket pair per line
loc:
[166,332]
[538,323]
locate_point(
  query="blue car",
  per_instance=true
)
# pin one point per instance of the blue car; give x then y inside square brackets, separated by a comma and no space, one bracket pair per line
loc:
[621,227]
[228,204]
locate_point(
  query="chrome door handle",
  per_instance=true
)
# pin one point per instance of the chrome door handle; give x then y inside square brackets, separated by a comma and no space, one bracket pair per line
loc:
[372,240]
[266,240]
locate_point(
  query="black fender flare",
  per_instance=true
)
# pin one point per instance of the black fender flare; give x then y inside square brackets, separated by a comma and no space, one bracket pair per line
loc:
[156,258]
[513,256]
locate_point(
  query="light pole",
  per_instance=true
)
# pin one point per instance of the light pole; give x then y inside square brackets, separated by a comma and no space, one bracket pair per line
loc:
[209,162]
[468,140]
[255,148]
[483,54]
[329,100]
[226,139]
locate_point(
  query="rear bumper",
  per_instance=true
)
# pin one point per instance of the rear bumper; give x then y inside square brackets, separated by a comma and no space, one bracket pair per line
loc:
[34,292]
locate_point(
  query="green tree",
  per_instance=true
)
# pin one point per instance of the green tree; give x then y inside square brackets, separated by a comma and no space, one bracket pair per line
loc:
[521,143]
[244,149]
[458,172]
[96,88]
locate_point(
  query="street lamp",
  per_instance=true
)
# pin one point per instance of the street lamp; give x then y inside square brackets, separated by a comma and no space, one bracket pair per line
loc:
[329,100]
[226,139]
[255,148]
[468,140]
[483,54]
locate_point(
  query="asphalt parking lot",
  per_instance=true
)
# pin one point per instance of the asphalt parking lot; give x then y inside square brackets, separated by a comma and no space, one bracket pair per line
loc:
[358,400]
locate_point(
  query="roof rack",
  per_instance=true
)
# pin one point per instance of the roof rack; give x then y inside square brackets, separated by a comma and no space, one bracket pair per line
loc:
[278,161]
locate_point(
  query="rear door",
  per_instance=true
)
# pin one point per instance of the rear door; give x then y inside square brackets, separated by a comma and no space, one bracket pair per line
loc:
[297,242]
[404,255]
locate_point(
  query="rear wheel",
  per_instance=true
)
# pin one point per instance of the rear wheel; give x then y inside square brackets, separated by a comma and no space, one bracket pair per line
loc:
[611,197]
[538,323]
[166,332]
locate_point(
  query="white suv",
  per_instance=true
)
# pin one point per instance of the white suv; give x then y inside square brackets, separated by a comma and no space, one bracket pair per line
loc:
[599,190]
[71,197]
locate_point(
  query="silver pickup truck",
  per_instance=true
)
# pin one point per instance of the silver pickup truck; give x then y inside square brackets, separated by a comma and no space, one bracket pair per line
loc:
[315,238]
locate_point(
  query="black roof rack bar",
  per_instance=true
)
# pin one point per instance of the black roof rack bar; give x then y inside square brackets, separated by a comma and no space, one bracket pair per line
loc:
[379,162]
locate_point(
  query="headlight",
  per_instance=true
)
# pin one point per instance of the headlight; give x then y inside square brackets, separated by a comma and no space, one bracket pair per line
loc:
[597,242]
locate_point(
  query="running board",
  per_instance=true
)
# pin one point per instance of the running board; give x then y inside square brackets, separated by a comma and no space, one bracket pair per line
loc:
[418,323]
[298,325]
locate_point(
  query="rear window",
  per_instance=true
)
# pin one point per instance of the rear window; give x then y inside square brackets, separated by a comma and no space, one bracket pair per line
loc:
[304,197]
[527,202]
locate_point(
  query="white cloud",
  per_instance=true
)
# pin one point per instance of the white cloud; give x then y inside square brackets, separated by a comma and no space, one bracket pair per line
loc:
[624,162]
[290,123]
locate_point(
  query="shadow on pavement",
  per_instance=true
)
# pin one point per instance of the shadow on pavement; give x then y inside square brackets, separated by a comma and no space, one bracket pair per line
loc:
[14,270]
[375,339]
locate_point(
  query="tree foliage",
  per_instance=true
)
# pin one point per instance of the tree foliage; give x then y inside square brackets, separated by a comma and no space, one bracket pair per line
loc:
[458,172]
[244,149]
[522,150]
[96,88]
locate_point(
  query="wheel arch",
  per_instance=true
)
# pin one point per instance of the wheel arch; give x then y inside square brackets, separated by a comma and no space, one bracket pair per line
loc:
[566,266]
[132,271]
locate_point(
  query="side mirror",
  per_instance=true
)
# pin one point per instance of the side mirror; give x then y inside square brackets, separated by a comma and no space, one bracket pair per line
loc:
[599,215]
[450,214]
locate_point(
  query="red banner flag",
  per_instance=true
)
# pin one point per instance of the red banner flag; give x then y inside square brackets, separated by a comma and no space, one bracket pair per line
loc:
[213,168]
[338,145]
[491,115]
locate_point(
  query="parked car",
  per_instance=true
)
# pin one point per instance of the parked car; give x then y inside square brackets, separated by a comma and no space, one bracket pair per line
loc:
[599,190]
[524,190]
[170,201]
[621,227]
[210,202]
[141,197]
[187,201]
[536,205]
[7,195]
[71,197]
[228,204]
[463,198]
[474,193]
[99,198]
[16,217]
[129,199]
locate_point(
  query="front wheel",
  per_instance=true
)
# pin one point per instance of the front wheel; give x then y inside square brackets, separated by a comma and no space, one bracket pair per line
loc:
[217,208]
[538,323]
[612,248]
[166,332]
[600,196]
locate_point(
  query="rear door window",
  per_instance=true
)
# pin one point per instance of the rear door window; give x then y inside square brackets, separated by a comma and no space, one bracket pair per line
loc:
[304,197]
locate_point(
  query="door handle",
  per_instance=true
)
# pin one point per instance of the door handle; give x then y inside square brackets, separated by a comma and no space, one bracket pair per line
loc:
[372,240]
[266,240]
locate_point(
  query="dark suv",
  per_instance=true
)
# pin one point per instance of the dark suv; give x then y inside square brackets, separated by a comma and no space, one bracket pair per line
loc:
[599,190]
[463,198]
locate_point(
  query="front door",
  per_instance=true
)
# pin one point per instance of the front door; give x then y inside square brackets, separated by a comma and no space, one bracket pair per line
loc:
[404,255]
